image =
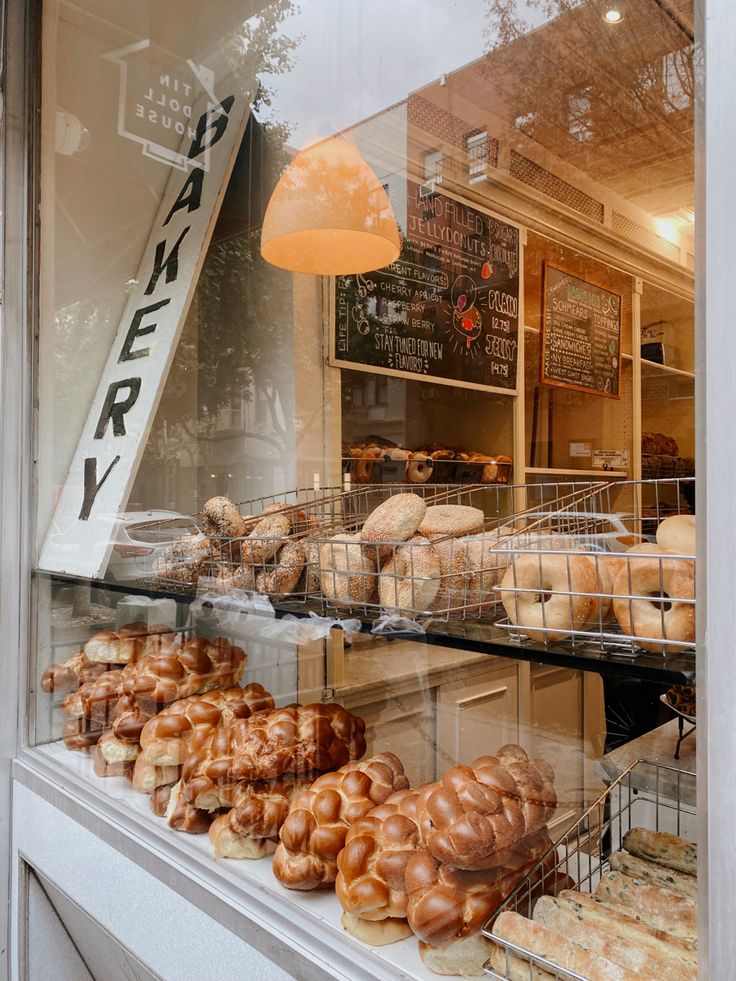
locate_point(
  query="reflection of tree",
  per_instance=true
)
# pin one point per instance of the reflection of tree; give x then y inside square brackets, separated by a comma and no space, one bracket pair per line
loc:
[608,99]
[238,336]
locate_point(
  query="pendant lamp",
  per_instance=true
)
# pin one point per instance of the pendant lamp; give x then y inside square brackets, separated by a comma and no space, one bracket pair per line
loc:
[329,214]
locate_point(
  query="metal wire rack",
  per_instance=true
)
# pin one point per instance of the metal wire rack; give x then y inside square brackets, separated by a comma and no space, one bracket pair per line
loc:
[647,794]
[592,571]
[262,562]
[443,578]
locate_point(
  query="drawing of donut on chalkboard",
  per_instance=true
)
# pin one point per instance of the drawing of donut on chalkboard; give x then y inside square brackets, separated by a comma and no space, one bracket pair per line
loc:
[467,322]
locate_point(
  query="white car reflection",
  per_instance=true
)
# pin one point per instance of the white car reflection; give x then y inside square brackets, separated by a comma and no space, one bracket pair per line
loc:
[139,536]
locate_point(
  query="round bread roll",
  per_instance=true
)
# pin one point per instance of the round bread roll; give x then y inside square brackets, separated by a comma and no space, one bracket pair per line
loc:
[221,517]
[677,534]
[410,580]
[559,597]
[396,520]
[453,520]
[347,572]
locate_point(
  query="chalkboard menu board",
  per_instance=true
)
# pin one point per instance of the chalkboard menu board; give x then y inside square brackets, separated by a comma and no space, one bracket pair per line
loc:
[581,335]
[447,309]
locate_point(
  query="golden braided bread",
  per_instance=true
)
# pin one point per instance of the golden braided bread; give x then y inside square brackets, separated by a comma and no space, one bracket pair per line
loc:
[314,831]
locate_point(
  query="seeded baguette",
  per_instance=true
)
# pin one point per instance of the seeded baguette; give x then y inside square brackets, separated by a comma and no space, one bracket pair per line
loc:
[663,908]
[650,960]
[628,925]
[546,943]
[662,848]
[658,875]
[515,968]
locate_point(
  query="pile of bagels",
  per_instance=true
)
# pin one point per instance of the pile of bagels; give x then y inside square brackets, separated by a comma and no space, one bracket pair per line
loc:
[430,463]
[416,559]
[265,553]
[649,590]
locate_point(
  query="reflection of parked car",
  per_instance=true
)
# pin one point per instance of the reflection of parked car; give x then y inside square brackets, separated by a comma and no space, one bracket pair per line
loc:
[605,532]
[139,535]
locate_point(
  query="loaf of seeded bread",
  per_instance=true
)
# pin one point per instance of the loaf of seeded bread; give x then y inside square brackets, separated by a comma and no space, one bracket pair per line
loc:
[663,848]
[629,927]
[546,943]
[658,875]
[670,911]
[649,958]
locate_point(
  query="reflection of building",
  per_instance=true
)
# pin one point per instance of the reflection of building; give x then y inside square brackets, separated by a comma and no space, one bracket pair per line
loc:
[583,135]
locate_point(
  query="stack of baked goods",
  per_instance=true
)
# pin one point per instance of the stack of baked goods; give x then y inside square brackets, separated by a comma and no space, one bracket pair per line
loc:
[557,589]
[268,553]
[240,780]
[432,462]
[414,559]
[640,923]
[660,457]
[121,679]
[437,861]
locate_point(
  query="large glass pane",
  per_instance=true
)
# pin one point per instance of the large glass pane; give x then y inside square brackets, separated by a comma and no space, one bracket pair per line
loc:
[364,362]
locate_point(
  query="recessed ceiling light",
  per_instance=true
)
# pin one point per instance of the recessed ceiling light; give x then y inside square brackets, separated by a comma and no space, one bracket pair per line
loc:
[613,16]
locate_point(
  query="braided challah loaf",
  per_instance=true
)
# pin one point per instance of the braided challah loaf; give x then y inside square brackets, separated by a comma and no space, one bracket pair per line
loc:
[477,813]
[314,831]
[199,665]
[69,675]
[95,700]
[250,829]
[167,739]
[126,645]
[371,867]
[294,739]
[449,904]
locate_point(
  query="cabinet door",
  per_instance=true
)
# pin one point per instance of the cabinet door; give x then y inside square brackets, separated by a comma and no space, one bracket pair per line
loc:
[555,732]
[404,725]
[477,714]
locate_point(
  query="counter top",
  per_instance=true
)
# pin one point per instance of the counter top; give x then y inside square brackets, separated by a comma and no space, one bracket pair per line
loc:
[658,746]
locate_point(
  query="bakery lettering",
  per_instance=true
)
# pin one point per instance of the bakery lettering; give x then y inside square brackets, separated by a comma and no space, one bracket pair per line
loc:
[123,393]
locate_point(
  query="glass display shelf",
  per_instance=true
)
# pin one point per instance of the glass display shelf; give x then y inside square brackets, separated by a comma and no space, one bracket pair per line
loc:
[479,636]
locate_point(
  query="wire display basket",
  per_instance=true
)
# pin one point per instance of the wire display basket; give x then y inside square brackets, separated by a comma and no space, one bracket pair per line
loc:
[435,576]
[651,795]
[279,556]
[602,568]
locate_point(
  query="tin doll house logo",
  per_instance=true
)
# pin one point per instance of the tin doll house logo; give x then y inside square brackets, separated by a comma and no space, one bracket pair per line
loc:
[158,93]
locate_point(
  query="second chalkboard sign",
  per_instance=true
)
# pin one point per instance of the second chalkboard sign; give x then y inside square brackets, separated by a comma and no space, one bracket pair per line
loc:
[581,335]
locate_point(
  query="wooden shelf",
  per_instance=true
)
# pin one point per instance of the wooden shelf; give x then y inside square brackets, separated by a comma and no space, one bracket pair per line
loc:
[582,473]
[667,369]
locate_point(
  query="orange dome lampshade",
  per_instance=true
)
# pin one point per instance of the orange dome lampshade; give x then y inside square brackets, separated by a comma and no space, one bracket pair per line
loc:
[329,214]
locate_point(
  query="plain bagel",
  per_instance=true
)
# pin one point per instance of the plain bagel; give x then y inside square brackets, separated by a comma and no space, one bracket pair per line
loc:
[644,615]
[547,596]
[677,533]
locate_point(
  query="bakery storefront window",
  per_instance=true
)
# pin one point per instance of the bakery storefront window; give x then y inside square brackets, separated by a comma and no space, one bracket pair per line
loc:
[365,552]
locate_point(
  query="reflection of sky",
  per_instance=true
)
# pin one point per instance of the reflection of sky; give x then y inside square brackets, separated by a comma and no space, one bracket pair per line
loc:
[357,57]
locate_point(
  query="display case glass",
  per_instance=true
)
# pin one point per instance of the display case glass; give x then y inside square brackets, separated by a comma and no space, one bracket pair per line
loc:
[365,479]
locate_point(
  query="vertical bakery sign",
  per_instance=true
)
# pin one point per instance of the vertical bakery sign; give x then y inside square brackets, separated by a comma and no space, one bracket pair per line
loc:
[105,462]
[447,309]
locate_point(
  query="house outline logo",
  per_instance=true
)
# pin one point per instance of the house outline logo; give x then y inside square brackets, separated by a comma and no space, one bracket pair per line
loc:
[201,76]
